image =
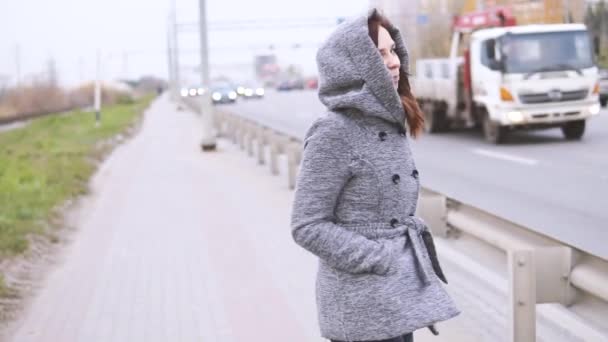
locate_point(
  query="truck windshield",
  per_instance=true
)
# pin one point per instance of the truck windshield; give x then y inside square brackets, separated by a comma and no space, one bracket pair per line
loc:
[550,51]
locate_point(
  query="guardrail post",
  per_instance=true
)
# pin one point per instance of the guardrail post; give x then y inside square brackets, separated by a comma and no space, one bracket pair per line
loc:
[219,120]
[293,162]
[250,136]
[261,141]
[242,133]
[234,126]
[298,153]
[522,296]
[237,131]
[274,151]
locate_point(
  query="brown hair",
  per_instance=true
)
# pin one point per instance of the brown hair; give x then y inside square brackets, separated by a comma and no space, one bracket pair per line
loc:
[413,114]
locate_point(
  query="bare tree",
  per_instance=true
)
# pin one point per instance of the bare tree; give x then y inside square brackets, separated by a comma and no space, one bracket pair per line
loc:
[436,33]
[595,19]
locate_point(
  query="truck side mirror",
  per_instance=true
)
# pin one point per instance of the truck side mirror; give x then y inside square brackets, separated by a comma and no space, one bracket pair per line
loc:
[494,63]
[491,49]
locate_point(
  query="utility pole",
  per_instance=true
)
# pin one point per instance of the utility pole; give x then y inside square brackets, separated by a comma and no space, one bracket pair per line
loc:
[18,63]
[51,76]
[172,85]
[125,65]
[97,102]
[175,50]
[208,142]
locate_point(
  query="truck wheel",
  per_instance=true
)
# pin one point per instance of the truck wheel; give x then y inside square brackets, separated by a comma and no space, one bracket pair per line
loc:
[492,131]
[574,130]
[434,119]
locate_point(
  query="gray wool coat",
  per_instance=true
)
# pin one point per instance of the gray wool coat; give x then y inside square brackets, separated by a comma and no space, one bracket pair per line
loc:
[356,197]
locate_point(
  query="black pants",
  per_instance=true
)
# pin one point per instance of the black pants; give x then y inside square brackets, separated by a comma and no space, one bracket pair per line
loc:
[405,338]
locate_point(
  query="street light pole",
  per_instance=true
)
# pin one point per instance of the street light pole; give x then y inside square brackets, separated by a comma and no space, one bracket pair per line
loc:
[97,100]
[170,60]
[208,142]
[18,64]
[175,50]
[172,52]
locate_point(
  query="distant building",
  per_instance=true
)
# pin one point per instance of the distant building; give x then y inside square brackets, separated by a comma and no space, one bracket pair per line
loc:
[266,68]
[539,11]
[427,24]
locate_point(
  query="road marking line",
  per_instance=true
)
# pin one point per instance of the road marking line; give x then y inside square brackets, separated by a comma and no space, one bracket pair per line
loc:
[507,157]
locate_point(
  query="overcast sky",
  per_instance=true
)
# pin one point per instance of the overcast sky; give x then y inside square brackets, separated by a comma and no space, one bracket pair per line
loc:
[133,35]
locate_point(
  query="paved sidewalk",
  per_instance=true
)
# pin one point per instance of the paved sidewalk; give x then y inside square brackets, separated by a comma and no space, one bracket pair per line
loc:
[177,245]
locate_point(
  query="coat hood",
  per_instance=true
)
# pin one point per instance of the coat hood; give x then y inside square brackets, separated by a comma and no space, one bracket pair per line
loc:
[352,74]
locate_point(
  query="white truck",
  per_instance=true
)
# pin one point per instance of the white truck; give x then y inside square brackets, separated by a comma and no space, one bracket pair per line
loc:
[502,77]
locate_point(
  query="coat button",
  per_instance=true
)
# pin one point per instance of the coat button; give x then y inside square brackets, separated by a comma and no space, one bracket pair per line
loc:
[415,173]
[394,222]
[382,135]
[396,179]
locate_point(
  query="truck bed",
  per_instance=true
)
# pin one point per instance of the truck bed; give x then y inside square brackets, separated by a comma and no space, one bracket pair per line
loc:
[437,81]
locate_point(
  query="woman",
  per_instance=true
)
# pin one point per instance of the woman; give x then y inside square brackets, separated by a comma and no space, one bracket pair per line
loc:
[357,192]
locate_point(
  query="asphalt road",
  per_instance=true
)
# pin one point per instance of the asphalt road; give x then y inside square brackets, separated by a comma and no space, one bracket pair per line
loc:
[537,179]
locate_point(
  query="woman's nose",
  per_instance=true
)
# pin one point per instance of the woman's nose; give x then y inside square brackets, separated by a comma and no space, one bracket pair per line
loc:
[393,62]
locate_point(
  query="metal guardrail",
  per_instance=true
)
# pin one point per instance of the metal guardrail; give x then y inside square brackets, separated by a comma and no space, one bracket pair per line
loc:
[540,269]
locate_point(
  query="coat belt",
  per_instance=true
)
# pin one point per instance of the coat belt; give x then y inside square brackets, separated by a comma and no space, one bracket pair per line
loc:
[424,249]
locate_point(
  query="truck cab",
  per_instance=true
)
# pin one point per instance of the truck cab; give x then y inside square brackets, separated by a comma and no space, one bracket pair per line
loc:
[511,77]
[534,76]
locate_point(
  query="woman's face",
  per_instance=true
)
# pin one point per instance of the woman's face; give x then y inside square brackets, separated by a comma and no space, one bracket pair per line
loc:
[386,46]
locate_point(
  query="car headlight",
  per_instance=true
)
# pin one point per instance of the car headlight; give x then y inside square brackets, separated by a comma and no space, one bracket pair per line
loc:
[260,91]
[232,95]
[515,116]
[594,109]
[216,96]
[184,92]
[200,91]
[240,90]
[192,92]
[249,92]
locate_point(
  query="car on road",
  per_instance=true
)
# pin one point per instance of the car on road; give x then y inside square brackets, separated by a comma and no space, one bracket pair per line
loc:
[603,87]
[240,89]
[291,84]
[297,83]
[284,85]
[192,91]
[312,83]
[221,94]
[253,91]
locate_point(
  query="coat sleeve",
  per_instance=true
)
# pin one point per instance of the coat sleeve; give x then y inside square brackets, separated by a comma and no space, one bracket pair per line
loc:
[324,171]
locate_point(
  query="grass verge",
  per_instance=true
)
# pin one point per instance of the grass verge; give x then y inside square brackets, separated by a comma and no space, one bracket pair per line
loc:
[49,161]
